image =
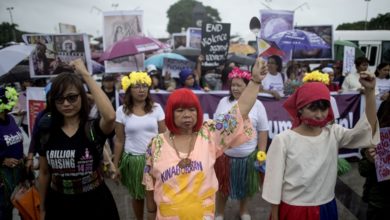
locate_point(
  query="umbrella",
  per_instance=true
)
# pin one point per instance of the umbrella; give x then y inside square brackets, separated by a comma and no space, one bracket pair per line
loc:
[12,55]
[17,74]
[131,46]
[298,39]
[97,67]
[158,59]
[242,59]
[241,49]
[187,51]
[339,49]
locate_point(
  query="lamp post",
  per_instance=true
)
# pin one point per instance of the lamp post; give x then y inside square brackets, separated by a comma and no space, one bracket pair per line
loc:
[9,9]
[365,24]
[198,14]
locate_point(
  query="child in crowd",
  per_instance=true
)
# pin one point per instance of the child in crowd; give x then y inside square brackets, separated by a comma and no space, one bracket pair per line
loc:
[302,162]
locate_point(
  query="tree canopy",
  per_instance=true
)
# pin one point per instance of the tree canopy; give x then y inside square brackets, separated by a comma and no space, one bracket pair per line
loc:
[7,33]
[381,22]
[181,15]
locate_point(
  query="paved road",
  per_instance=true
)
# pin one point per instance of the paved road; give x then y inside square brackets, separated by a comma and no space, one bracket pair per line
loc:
[348,192]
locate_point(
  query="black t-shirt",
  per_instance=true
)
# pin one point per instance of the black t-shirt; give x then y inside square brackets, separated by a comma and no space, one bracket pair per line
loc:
[111,97]
[76,156]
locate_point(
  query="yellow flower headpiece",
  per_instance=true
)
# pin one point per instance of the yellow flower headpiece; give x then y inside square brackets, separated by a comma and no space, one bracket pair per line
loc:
[8,98]
[316,76]
[136,78]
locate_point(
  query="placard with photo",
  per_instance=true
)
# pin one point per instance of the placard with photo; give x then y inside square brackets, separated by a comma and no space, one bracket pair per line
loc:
[54,52]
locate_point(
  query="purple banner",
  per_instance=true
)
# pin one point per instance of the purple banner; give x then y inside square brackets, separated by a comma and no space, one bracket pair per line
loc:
[278,118]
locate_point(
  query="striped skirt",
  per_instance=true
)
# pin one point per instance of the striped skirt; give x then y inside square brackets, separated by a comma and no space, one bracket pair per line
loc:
[237,176]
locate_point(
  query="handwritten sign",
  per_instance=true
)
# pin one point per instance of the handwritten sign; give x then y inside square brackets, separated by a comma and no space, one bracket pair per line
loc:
[215,43]
[382,159]
[349,59]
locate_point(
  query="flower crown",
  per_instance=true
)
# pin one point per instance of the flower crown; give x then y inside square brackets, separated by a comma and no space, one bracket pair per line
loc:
[8,98]
[316,76]
[238,73]
[135,78]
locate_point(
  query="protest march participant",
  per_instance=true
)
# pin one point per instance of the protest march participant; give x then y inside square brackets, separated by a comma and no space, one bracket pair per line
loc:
[237,177]
[301,163]
[138,120]
[11,151]
[71,150]
[179,175]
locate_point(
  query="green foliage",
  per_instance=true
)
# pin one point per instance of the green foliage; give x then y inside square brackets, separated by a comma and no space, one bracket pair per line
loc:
[180,15]
[6,33]
[381,22]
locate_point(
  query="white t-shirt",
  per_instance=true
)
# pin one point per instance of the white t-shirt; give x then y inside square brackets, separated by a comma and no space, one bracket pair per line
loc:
[274,83]
[259,120]
[139,130]
[351,83]
[302,170]
[383,86]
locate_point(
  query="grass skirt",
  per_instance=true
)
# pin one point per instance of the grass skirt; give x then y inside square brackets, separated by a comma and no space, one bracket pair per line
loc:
[132,170]
[237,177]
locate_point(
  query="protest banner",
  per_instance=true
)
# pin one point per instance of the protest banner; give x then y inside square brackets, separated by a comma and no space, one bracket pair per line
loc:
[349,60]
[174,66]
[67,28]
[54,52]
[194,37]
[179,40]
[273,22]
[36,102]
[215,43]
[349,106]
[314,43]
[116,26]
[382,158]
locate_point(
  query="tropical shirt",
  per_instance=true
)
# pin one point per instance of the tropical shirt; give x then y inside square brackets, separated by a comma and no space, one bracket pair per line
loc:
[189,193]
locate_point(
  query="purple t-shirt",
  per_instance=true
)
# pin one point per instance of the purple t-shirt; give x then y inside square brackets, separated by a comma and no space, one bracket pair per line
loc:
[11,139]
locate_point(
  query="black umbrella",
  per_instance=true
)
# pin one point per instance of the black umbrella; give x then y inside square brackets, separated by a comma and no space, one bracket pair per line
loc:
[242,59]
[188,52]
[17,74]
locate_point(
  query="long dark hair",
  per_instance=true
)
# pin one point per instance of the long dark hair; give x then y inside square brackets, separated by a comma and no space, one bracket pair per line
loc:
[381,66]
[59,85]
[129,102]
[278,62]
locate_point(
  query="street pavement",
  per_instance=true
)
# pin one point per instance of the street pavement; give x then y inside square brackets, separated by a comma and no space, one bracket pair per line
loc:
[349,189]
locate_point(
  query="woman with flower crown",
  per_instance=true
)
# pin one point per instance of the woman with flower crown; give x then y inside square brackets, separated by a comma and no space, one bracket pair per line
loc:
[11,151]
[179,175]
[138,120]
[301,170]
[237,177]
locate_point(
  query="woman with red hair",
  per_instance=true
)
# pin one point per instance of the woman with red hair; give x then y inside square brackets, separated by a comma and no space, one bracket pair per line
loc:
[179,174]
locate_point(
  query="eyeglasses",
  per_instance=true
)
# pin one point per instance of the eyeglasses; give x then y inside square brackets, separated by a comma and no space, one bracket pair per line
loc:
[72,98]
[140,86]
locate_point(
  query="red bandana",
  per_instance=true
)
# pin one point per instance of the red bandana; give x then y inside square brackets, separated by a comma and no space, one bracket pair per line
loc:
[304,95]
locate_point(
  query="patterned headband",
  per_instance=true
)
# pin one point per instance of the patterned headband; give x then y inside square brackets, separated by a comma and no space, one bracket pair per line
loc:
[238,73]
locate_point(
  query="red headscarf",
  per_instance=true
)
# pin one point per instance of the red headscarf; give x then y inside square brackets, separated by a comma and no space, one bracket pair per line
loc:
[304,95]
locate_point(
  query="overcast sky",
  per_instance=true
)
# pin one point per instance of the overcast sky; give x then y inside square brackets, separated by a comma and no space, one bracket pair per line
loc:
[43,16]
